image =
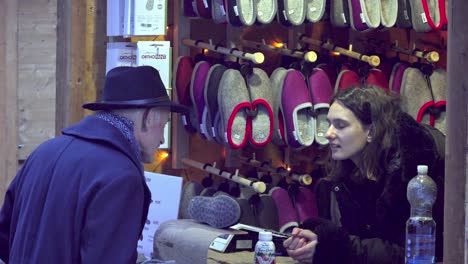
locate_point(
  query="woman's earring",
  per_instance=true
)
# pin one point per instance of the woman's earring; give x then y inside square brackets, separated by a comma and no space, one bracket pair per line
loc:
[369,139]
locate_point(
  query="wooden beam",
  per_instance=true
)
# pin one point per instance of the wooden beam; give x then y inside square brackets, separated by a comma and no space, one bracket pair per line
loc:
[455,227]
[8,100]
[81,54]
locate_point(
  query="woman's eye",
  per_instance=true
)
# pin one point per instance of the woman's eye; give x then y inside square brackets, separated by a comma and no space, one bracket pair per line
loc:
[340,125]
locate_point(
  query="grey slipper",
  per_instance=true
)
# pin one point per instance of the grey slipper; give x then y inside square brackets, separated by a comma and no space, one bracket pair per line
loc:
[388,12]
[218,211]
[404,14]
[315,9]
[266,11]
[339,13]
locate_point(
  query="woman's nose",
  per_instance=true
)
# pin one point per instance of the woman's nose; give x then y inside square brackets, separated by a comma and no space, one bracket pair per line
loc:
[330,132]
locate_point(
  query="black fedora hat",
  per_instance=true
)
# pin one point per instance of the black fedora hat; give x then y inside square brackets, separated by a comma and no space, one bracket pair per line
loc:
[134,87]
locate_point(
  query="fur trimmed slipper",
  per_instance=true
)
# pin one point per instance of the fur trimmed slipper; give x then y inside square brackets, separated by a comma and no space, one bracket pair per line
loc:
[322,92]
[315,10]
[197,94]
[277,80]
[416,96]
[296,107]
[233,101]
[261,97]
[266,11]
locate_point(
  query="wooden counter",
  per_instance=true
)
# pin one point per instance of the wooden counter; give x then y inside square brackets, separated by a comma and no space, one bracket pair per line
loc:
[240,257]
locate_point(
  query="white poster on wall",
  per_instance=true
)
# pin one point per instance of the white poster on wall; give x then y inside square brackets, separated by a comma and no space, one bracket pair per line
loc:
[145,17]
[120,54]
[164,206]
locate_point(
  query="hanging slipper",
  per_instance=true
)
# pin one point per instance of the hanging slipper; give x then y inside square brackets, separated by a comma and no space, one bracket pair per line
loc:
[322,92]
[287,218]
[190,190]
[388,12]
[358,19]
[346,79]
[296,107]
[306,204]
[339,13]
[241,12]
[197,94]
[291,12]
[211,99]
[261,96]
[267,212]
[377,78]
[331,72]
[188,9]
[438,81]
[397,77]
[218,12]
[233,101]
[277,80]
[416,98]
[232,13]
[181,84]
[203,8]
[370,13]
[266,11]
[315,10]
[427,15]
[404,14]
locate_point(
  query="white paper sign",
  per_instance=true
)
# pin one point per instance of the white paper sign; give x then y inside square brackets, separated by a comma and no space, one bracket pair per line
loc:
[145,17]
[115,17]
[164,206]
[120,54]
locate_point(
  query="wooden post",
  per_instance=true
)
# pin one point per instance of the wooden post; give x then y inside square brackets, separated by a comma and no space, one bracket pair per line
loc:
[8,100]
[456,188]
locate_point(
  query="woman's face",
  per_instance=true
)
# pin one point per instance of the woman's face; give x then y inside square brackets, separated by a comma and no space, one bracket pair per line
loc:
[346,134]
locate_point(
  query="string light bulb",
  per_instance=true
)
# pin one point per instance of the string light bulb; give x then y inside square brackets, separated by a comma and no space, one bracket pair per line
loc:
[277,44]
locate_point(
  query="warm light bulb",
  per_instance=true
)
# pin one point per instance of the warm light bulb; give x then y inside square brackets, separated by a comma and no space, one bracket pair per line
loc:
[205,51]
[163,155]
[335,53]
[288,168]
[278,44]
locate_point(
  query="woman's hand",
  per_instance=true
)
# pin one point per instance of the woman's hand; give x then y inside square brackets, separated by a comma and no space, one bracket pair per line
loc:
[301,245]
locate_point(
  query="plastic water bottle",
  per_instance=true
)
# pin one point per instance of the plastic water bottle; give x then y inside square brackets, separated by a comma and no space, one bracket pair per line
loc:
[420,227]
[264,249]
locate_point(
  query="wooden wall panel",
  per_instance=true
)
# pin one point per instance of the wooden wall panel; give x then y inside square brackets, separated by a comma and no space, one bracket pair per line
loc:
[37,39]
[8,80]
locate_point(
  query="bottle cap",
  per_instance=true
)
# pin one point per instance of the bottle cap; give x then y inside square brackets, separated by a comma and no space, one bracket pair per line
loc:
[422,169]
[265,236]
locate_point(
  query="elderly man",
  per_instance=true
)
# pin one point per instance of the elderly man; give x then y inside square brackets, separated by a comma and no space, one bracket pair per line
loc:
[81,197]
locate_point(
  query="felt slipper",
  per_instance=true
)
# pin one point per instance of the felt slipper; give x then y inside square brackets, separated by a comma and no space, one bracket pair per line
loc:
[322,92]
[188,9]
[218,12]
[370,12]
[197,94]
[259,86]
[287,218]
[203,8]
[305,204]
[296,106]
[247,11]
[190,190]
[233,101]
[211,99]
[426,15]
[416,96]
[438,81]
[357,18]
[208,191]
[277,80]
[217,211]
[435,13]
[377,78]
[232,13]
[247,213]
[388,12]
[315,10]
[181,83]
[404,14]
[397,76]
[266,11]
[346,79]
[331,72]
[267,213]
[339,13]
[291,12]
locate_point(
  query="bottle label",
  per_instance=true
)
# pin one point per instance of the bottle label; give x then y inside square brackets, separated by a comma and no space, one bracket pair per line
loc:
[420,248]
[265,253]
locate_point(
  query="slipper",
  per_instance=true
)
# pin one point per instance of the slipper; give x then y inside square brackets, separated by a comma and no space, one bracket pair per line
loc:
[211,99]
[267,213]
[306,204]
[188,9]
[287,219]
[291,12]
[346,79]
[232,13]
[181,83]
[315,10]
[331,72]
[247,11]
[404,14]
[190,190]
[218,12]
[370,12]
[435,13]
[416,98]
[322,92]
[296,106]
[438,81]
[266,11]
[377,78]
[247,216]
[208,191]
[397,76]
[197,92]
[233,100]
[261,96]
[203,8]
[426,15]
[388,12]
[339,13]
[386,67]
[218,211]
[357,18]
[277,80]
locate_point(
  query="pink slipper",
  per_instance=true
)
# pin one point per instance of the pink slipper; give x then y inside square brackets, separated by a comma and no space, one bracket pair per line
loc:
[322,92]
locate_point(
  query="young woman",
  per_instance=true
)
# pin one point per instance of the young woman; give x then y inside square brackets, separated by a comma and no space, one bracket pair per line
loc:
[375,148]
